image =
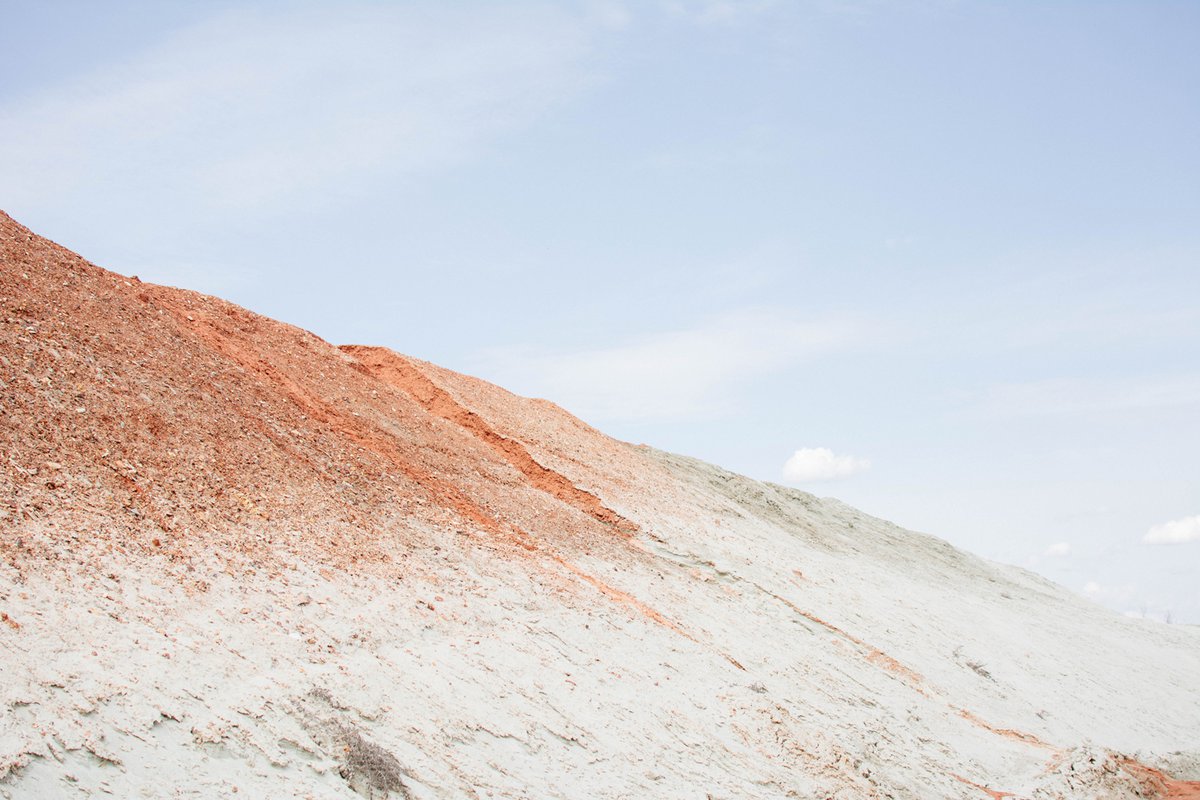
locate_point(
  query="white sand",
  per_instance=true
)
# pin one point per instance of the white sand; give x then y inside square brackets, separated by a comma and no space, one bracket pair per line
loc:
[486,675]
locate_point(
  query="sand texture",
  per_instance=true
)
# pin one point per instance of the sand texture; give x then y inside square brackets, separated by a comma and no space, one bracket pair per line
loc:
[235,558]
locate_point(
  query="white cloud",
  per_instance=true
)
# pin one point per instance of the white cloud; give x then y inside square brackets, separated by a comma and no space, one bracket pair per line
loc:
[1176,531]
[255,110]
[1058,549]
[697,372]
[1092,589]
[821,464]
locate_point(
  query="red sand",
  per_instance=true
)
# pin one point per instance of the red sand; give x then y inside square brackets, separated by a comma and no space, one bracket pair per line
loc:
[1162,785]
[153,418]
[404,374]
[166,421]
[992,793]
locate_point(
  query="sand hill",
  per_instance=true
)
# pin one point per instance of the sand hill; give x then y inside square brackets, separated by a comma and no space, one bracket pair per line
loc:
[235,558]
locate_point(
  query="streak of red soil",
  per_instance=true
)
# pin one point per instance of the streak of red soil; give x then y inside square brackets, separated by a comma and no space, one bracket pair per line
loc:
[882,659]
[1007,733]
[1162,785]
[871,653]
[404,374]
[623,598]
[992,793]
[909,676]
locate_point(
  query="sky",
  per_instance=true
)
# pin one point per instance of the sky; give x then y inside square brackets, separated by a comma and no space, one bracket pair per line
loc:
[940,260]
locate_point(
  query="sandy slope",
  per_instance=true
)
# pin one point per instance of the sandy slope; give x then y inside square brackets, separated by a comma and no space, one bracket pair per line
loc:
[257,562]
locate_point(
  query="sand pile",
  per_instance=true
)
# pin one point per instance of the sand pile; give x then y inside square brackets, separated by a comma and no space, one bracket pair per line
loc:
[235,558]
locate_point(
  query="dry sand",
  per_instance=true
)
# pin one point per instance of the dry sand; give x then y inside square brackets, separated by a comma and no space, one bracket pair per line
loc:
[237,558]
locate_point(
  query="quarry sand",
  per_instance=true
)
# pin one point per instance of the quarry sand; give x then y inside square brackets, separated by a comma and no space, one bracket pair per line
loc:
[235,557]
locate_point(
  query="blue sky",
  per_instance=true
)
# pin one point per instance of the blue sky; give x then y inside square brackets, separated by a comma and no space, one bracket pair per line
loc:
[955,245]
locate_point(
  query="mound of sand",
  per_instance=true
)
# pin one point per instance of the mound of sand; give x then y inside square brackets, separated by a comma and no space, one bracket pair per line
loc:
[237,558]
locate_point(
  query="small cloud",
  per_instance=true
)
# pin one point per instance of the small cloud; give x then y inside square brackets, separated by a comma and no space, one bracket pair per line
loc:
[821,464]
[1177,531]
[1058,549]
[1092,589]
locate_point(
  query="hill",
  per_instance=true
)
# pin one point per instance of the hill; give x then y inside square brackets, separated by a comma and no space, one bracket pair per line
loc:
[237,558]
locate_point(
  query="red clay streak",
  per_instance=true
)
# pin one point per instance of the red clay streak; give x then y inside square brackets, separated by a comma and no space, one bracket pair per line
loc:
[995,794]
[400,372]
[1164,786]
